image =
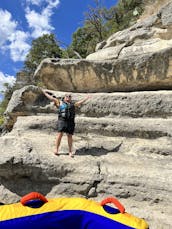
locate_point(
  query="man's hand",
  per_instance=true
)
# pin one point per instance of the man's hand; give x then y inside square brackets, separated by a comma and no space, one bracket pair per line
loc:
[88,97]
[82,101]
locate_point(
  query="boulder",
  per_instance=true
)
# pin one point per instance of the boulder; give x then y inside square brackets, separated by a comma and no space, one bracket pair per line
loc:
[127,73]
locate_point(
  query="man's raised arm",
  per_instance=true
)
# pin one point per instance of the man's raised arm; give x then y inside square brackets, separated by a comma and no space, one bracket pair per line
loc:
[77,104]
[52,98]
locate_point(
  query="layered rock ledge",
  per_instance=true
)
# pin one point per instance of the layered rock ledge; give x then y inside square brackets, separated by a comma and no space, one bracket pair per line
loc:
[122,147]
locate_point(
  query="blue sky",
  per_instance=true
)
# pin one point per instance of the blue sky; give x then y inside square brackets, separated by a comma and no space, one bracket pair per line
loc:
[21,21]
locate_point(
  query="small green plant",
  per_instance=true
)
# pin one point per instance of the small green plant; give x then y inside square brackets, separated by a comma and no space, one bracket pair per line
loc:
[1,120]
[8,91]
[2,109]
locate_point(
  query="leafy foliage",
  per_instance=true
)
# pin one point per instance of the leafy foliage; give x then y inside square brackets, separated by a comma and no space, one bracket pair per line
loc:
[84,40]
[1,116]
[42,47]
[125,12]
[100,23]
[7,96]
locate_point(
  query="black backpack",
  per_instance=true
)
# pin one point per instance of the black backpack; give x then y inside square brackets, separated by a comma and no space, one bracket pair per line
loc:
[67,111]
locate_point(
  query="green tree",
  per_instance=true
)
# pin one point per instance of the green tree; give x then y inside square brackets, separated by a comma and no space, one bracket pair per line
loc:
[101,22]
[42,47]
[85,38]
[7,96]
[95,18]
[125,12]
[84,41]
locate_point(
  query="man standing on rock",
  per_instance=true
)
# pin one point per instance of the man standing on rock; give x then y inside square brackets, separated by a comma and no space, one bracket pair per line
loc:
[66,118]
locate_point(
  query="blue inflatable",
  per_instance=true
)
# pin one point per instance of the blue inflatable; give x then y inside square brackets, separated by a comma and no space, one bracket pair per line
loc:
[34,211]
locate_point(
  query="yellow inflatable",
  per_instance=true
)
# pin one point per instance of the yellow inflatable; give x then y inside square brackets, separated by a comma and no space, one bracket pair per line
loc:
[34,211]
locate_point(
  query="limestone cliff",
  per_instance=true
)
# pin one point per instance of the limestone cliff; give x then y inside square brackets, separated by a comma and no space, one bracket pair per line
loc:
[138,58]
[122,147]
[123,140]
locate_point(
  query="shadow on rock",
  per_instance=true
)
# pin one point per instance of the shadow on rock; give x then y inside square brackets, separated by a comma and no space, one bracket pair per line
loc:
[97,151]
[27,179]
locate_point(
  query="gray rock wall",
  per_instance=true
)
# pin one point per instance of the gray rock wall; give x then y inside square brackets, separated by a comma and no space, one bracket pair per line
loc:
[122,148]
[30,100]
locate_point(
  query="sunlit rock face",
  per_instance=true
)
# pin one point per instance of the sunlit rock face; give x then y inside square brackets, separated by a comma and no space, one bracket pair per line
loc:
[138,58]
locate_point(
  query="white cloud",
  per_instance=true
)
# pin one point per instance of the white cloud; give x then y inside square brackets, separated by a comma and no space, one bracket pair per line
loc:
[16,41]
[12,39]
[6,79]
[18,46]
[34,2]
[7,26]
[40,22]
[52,3]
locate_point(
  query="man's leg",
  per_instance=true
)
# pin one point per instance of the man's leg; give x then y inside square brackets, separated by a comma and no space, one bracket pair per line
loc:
[70,141]
[58,141]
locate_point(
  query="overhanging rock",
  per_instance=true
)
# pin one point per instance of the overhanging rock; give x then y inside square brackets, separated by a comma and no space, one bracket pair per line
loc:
[152,71]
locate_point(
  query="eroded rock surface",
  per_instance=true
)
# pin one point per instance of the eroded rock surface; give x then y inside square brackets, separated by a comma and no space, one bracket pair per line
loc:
[122,145]
[138,58]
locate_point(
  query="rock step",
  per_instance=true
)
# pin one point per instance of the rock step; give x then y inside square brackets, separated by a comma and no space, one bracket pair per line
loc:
[128,104]
[126,127]
[122,174]
[31,101]
[135,170]
[131,104]
[149,128]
